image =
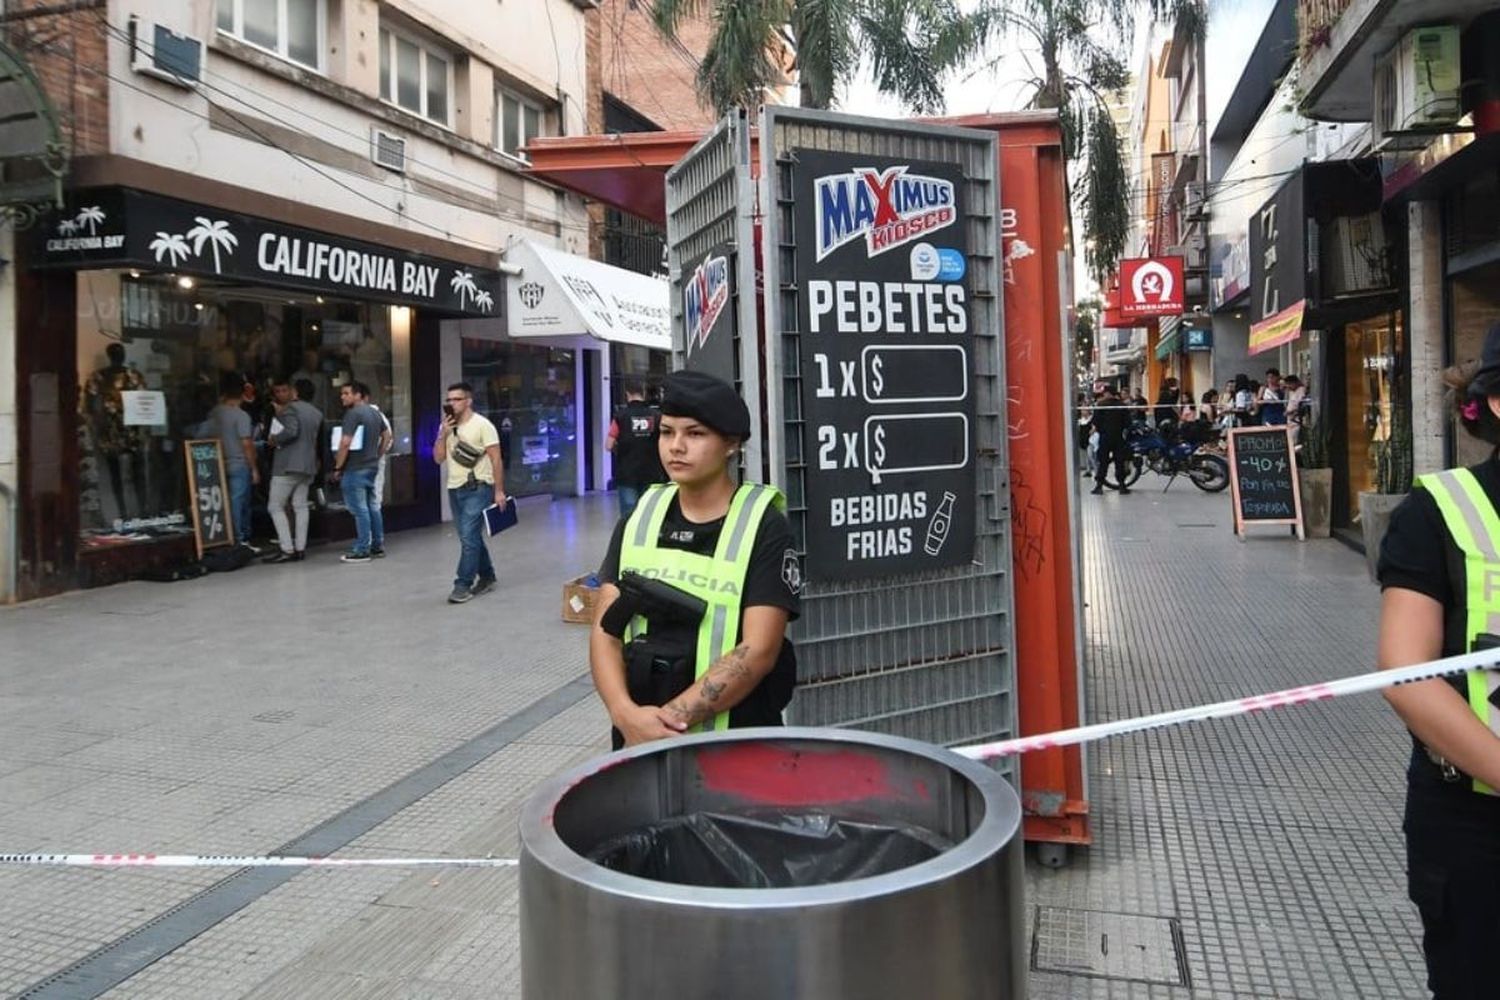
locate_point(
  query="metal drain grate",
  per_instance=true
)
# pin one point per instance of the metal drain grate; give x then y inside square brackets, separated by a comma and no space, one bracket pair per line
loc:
[1197,525]
[1124,946]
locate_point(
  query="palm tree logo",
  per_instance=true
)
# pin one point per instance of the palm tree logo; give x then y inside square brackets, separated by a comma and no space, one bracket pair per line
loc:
[484,300]
[67,227]
[463,284]
[91,216]
[216,234]
[170,245]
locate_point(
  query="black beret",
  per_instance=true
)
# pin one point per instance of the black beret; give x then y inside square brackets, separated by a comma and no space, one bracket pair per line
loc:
[710,401]
[1486,381]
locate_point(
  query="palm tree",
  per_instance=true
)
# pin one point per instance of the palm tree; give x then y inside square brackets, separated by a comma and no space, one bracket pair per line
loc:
[1079,76]
[463,284]
[91,217]
[484,300]
[912,46]
[67,227]
[215,234]
[171,245]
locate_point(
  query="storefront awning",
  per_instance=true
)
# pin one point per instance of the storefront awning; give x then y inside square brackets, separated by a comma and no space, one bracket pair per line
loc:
[1167,345]
[628,170]
[560,294]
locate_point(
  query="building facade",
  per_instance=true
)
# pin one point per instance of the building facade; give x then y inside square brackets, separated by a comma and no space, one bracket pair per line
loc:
[1420,80]
[321,189]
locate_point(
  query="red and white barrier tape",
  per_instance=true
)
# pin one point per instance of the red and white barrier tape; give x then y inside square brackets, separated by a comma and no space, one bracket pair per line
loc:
[1361,684]
[240,861]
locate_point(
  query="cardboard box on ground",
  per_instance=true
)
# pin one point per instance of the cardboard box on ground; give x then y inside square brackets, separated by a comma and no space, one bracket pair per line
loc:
[579,599]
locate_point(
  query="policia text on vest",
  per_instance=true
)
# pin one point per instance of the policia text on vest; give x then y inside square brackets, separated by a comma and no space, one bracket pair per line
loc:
[684,607]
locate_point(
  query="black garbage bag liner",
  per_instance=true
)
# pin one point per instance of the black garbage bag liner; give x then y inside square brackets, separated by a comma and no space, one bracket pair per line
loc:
[768,850]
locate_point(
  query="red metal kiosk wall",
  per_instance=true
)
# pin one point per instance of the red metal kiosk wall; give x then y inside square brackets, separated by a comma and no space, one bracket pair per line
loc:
[1034,254]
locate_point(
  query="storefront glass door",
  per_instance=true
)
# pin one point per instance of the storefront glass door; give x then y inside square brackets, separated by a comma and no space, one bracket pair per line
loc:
[529,393]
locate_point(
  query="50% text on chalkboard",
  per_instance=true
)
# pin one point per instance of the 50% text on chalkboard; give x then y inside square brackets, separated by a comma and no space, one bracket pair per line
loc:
[208,494]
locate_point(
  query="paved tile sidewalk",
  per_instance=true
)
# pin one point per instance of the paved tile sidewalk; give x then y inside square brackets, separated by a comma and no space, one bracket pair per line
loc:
[1273,839]
[236,713]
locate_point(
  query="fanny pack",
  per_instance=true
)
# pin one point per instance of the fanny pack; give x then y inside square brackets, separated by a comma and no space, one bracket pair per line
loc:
[464,453]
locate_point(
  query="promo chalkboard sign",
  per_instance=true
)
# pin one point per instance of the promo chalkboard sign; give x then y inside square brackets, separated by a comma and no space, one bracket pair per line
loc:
[1263,478]
[208,494]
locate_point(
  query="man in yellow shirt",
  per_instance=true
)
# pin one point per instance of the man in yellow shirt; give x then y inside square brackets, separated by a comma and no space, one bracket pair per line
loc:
[470,445]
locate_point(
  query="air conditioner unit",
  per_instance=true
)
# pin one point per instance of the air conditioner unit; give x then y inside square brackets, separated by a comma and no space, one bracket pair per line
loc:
[388,150]
[1354,256]
[163,53]
[1417,84]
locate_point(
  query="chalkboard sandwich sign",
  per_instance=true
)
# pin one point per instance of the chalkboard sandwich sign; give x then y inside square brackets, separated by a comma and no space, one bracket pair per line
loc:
[1263,478]
[208,494]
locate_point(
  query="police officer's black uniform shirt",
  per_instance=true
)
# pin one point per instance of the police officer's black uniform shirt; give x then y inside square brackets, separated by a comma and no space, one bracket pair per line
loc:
[1418,553]
[637,461]
[774,579]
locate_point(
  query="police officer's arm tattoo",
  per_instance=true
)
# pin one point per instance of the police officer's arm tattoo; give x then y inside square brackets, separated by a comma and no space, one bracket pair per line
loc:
[706,699]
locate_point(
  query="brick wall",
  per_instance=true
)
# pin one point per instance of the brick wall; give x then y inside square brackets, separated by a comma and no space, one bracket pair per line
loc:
[593,44]
[652,75]
[69,54]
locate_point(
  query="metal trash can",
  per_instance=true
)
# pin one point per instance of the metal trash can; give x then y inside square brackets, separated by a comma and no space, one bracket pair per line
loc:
[894,871]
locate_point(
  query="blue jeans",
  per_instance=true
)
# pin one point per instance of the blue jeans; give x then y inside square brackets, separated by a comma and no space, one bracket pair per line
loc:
[629,497]
[468,504]
[369,526]
[239,500]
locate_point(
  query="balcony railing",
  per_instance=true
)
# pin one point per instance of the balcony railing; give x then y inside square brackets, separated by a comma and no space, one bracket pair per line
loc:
[1315,21]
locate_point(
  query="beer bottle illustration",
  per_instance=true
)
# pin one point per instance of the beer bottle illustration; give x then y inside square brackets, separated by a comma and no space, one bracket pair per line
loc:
[937,528]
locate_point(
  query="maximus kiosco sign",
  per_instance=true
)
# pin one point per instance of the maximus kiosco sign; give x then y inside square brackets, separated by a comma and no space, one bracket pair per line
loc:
[888,409]
[114,227]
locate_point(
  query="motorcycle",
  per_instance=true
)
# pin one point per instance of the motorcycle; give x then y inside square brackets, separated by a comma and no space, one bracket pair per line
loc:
[1171,450]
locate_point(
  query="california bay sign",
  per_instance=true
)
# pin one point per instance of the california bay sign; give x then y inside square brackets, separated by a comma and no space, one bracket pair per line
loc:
[114,227]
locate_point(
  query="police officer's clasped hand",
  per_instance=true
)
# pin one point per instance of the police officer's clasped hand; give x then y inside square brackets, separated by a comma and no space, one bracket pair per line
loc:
[644,723]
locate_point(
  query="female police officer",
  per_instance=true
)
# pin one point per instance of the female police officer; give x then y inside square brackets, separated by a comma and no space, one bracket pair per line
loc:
[1440,578]
[711,578]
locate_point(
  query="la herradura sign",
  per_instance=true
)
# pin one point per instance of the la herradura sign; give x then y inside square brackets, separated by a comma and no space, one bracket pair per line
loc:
[1151,287]
[116,227]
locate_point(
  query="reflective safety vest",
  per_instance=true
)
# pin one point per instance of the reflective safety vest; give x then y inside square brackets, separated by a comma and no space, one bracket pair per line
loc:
[718,579]
[1475,526]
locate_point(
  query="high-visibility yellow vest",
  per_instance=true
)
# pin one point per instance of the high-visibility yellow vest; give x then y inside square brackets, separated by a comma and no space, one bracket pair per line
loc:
[1475,526]
[718,579]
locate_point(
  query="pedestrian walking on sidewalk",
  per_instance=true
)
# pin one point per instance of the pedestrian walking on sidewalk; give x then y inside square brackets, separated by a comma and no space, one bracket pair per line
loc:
[1111,418]
[354,468]
[296,434]
[1437,567]
[470,446]
[697,554]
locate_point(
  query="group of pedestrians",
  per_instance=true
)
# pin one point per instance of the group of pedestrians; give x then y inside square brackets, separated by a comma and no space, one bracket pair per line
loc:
[292,432]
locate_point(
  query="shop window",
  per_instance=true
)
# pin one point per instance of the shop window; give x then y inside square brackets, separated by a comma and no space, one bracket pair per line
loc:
[415,75]
[1376,408]
[293,29]
[530,394]
[517,122]
[151,350]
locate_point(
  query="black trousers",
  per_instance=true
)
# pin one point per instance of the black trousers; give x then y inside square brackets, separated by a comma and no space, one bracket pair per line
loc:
[1112,449]
[1453,876]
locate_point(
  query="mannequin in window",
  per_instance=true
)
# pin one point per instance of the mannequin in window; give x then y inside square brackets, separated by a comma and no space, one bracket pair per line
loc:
[113,440]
